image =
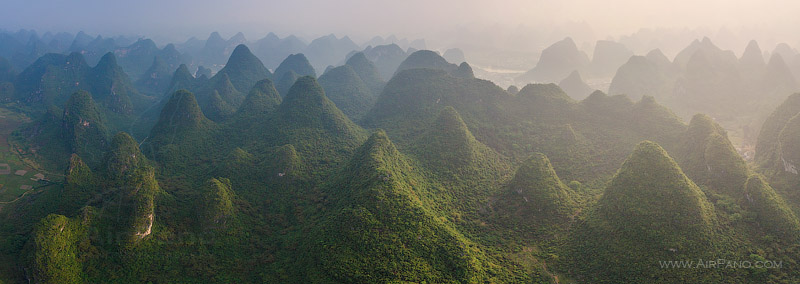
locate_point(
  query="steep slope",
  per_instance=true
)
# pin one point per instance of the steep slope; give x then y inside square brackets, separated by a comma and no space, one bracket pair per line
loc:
[650,210]
[535,197]
[156,79]
[346,89]
[639,77]
[217,202]
[448,147]
[306,114]
[244,69]
[387,58]
[381,232]
[454,55]
[772,212]
[285,82]
[181,79]
[111,87]
[51,79]
[608,56]
[768,147]
[556,62]
[575,87]
[84,128]
[181,122]
[297,63]
[367,71]
[261,100]
[710,159]
[425,59]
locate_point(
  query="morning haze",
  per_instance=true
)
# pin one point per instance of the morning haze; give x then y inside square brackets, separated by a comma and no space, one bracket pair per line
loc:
[413,141]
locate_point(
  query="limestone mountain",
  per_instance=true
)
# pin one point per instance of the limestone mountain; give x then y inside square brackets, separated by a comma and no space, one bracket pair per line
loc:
[608,56]
[536,196]
[296,63]
[425,59]
[244,69]
[367,71]
[449,147]
[328,50]
[284,83]
[556,62]
[454,55]
[261,100]
[710,159]
[112,87]
[649,209]
[345,88]
[157,78]
[85,128]
[386,58]
[639,76]
[575,87]
[769,150]
[772,212]
[381,204]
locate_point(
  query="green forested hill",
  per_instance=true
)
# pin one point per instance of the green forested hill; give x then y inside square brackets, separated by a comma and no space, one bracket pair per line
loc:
[446,178]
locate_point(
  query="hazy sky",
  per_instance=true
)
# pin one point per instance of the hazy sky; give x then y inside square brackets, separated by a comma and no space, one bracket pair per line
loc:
[364,18]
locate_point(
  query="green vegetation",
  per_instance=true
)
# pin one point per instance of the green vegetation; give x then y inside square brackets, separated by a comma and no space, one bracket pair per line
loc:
[344,88]
[246,177]
[771,210]
[536,197]
[649,212]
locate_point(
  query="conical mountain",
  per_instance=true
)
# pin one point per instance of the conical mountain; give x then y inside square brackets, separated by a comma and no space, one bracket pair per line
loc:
[449,147]
[556,62]
[386,58]
[425,59]
[463,71]
[376,202]
[52,79]
[649,210]
[575,87]
[367,71]
[607,57]
[156,79]
[710,159]
[778,78]
[111,85]
[285,82]
[80,184]
[639,77]
[789,145]
[124,157]
[244,69]
[768,147]
[202,71]
[656,122]
[753,57]
[85,128]
[454,55]
[650,199]
[307,106]
[181,112]
[217,109]
[297,63]
[181,79]
[536,196]
[219,98]
[346,89]
[217,202]
[657,57]
[55,246]
[772,212]
[261,100]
